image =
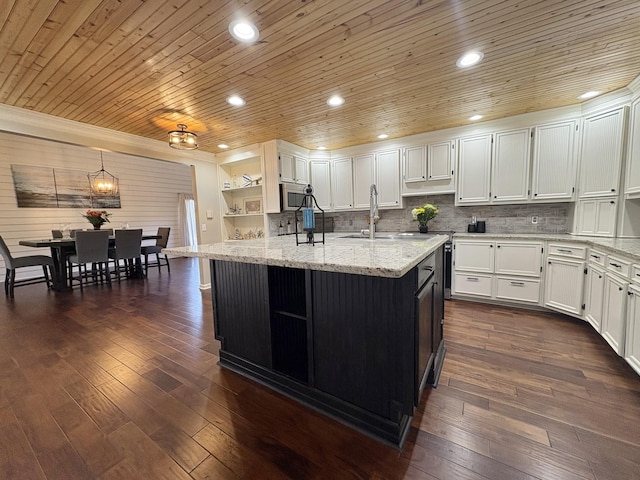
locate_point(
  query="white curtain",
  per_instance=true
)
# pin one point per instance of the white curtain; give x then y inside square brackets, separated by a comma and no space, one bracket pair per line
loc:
[187,218]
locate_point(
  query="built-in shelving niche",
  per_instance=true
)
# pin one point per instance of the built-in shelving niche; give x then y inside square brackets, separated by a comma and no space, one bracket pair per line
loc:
[290,325]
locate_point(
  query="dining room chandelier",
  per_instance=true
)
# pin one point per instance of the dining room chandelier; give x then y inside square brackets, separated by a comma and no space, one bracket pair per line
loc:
[103,183]
[182,139]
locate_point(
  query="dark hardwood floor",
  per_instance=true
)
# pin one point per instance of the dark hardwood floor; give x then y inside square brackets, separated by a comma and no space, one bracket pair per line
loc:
[122,383]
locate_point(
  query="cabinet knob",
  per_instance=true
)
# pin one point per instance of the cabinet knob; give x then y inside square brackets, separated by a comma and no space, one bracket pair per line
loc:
[619,289]
[612,202]
[613,189]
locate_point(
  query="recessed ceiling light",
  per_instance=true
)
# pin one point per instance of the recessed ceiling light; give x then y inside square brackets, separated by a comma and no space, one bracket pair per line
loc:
[335,101]
[589,94]
[469,59]
[235,100]
[223,146]
[244,31]
[382,136]
[473,118]
[321,148]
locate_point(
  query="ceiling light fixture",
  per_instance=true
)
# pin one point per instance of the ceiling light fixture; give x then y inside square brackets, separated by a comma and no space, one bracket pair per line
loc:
[335,101]
[244,31]
[102,183]
[475,117]
[183,140]
[321,148]
[589,94]
[382,136]
[223,146]
[236,101]
[469,59]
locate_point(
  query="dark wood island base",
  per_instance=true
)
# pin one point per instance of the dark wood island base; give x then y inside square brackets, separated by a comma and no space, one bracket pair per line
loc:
[358,348]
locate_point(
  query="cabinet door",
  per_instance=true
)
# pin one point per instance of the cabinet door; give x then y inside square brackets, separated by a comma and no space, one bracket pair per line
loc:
[287,167]
[511,163]
[415,164]
[563,285]
[601,154]
[597,216]
[439,161]
[594,296]
[613,312]
[474,170]
[342,181]
[321,182]
[524,259]
[554,166]
[632,347]
[474,256]
[633,166]
[387,178]
[301,170]
[363,177]
[242,322]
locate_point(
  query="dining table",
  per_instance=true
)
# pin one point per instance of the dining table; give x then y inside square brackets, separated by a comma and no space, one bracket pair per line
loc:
[63,248]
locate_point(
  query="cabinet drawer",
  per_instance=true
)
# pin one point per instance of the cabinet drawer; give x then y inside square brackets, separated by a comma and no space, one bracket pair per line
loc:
[621,267]
[635,274]
[569,251]
[473,284]
[597,257]
[521,290]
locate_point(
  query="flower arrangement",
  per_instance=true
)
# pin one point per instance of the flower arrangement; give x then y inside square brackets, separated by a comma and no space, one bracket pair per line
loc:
[424,213]
[97,217]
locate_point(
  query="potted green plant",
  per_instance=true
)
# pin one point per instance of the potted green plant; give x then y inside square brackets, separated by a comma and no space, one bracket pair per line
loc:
[423,214]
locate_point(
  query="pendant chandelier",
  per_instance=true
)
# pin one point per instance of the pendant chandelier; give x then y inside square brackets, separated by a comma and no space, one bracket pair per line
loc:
[182,139]
[102,183]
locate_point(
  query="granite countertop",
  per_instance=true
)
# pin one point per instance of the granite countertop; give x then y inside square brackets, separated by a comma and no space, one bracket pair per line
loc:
[381,257]
[628,247]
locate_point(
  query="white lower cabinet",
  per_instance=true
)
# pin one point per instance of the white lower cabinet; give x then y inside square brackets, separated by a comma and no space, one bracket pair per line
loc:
[594,295]
[632,346]
[502,270]
[614,306]
[478,284]
[517,289]
[563,284]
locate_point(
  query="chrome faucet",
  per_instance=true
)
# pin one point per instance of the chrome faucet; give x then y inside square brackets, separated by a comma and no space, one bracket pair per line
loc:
[373,210]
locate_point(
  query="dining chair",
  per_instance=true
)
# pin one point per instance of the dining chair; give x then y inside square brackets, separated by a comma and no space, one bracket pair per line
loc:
[92,247]
[163,233]
[128,250]
[11,264]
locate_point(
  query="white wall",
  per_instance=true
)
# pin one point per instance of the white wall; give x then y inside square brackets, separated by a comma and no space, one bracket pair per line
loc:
[151,175]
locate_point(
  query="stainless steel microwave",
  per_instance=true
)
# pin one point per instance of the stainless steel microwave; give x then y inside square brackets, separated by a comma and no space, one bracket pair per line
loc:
[291,196]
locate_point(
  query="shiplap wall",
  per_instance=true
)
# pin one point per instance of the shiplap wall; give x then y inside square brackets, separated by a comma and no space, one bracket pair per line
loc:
[149,191]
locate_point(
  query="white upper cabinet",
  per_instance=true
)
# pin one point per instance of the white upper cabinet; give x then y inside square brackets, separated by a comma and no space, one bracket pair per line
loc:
[510,169]
[554,161]
[381,168]
[597,216]
[601,154]
[474,170]
[632,189]
[439,161]
[415,164]
[363,177]
[293,168]
[321,182]
[342,184]
[427,169]
[387,170]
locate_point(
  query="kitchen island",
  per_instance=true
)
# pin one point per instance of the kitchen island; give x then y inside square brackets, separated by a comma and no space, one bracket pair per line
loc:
[352,327]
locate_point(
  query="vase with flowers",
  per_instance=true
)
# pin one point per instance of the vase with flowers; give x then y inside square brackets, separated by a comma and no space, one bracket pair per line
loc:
[97,218]
[423,214]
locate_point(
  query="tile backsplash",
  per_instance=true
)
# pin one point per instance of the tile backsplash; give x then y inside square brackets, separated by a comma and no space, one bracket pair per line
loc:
[552,217]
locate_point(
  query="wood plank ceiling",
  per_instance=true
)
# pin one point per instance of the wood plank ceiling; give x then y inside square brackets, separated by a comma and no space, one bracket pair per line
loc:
[143,66]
